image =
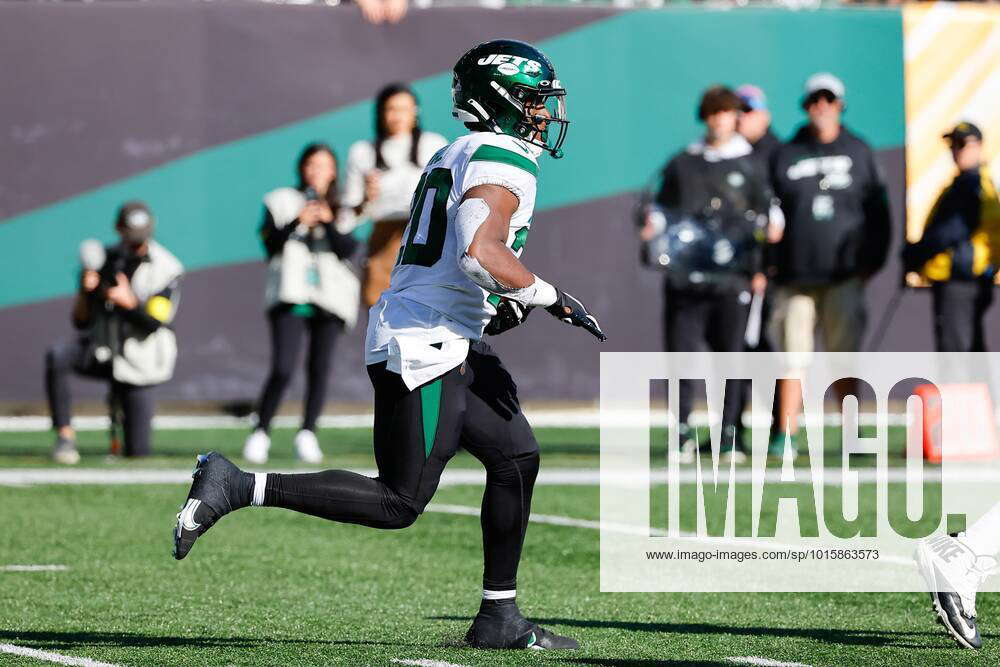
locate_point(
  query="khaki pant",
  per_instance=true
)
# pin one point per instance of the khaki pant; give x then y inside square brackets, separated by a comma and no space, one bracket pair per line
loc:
[837,310]
[383,248]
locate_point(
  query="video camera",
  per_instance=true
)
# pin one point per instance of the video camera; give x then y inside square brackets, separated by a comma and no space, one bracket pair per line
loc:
[697,250]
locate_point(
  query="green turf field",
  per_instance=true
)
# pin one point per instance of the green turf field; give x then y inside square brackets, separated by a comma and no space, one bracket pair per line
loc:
[269,587]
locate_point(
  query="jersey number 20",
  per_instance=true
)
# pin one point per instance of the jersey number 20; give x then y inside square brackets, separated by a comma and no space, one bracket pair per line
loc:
[428,224]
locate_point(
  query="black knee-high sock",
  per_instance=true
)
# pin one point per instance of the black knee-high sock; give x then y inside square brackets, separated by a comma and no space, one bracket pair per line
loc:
[504,518]
[339,495]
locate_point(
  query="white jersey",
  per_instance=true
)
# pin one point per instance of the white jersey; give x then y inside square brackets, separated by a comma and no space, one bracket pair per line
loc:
[423,323]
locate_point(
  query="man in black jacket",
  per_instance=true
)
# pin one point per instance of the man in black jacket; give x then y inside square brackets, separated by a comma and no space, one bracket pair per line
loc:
[836,236]
[956,249]
[714,182]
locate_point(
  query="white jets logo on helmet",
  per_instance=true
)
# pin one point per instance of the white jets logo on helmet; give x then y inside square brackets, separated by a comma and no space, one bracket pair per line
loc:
[510,65]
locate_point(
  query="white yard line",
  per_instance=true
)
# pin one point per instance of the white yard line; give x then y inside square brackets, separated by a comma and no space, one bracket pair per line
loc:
[956,473]
[425,662]
[48,656]
[33,568]
[765,662]
[581,418]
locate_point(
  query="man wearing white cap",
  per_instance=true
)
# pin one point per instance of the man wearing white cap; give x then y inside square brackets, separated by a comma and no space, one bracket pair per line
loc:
[836,236]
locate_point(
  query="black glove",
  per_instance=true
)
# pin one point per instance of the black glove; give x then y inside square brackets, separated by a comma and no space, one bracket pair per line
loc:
[509,314]
[568,309]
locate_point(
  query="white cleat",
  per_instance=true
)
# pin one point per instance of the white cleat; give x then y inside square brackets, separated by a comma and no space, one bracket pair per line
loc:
[256,447]
[953,573]
[730,455]
[307,447]
[688,452]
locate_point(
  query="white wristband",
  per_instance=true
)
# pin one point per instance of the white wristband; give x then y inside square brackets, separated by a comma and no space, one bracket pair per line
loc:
[543,295]
[538,293]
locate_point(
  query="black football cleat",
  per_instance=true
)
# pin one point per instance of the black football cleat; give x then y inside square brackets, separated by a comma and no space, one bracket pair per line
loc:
[500,625]
[212,496]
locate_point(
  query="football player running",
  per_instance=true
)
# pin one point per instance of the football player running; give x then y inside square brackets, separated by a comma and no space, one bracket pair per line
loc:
[437,384]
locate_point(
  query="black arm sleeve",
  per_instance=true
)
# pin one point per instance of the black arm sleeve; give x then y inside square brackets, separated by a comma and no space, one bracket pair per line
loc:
[92,303]
[140,320]
[760,202]
[765,191]
[669,195]
[877,223]
[139,317]
[343,245]
[274,238]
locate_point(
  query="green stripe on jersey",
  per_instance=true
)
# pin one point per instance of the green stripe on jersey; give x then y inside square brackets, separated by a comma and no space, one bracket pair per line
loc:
[430,409]
[496,154]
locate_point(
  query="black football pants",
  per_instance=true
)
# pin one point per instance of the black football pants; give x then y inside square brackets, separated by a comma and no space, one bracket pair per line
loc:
[416,433]
[137,402]
[959,308]
[287,332]
[702,321]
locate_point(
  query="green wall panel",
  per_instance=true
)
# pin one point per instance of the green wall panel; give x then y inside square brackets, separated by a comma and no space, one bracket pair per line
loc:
[632,79]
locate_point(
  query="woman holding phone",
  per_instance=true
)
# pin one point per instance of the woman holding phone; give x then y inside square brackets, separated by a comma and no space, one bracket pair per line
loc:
[311,289]
[381,177]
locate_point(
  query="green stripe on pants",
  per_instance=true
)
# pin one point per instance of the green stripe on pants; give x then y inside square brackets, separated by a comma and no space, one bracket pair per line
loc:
[430,408]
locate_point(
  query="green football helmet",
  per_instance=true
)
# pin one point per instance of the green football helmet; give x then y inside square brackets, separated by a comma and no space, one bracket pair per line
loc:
[510,87]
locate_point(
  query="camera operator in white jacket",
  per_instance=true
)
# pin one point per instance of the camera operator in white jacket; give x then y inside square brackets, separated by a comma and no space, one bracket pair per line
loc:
[127,300]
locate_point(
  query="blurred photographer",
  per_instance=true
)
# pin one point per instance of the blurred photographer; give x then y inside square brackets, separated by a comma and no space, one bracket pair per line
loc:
[127,299]
[957,251]
[311,288]
[706,231]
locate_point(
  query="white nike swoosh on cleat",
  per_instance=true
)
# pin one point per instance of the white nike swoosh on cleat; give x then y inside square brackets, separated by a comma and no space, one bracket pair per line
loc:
[967,630]
[186,516]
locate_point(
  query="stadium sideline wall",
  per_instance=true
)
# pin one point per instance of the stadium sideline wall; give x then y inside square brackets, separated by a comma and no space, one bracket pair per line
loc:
[201,108]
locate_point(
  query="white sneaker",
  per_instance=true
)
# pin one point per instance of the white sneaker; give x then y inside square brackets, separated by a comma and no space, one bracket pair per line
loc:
[256,447]
[688,452]
[307,447]
[953,573]
[65,452]
[737,455]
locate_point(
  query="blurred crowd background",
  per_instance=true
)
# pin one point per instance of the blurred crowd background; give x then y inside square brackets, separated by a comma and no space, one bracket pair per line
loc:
[202,111]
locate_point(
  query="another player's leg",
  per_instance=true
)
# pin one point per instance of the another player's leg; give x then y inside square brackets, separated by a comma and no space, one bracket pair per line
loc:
[416,433]
[954,566]
[496,432]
